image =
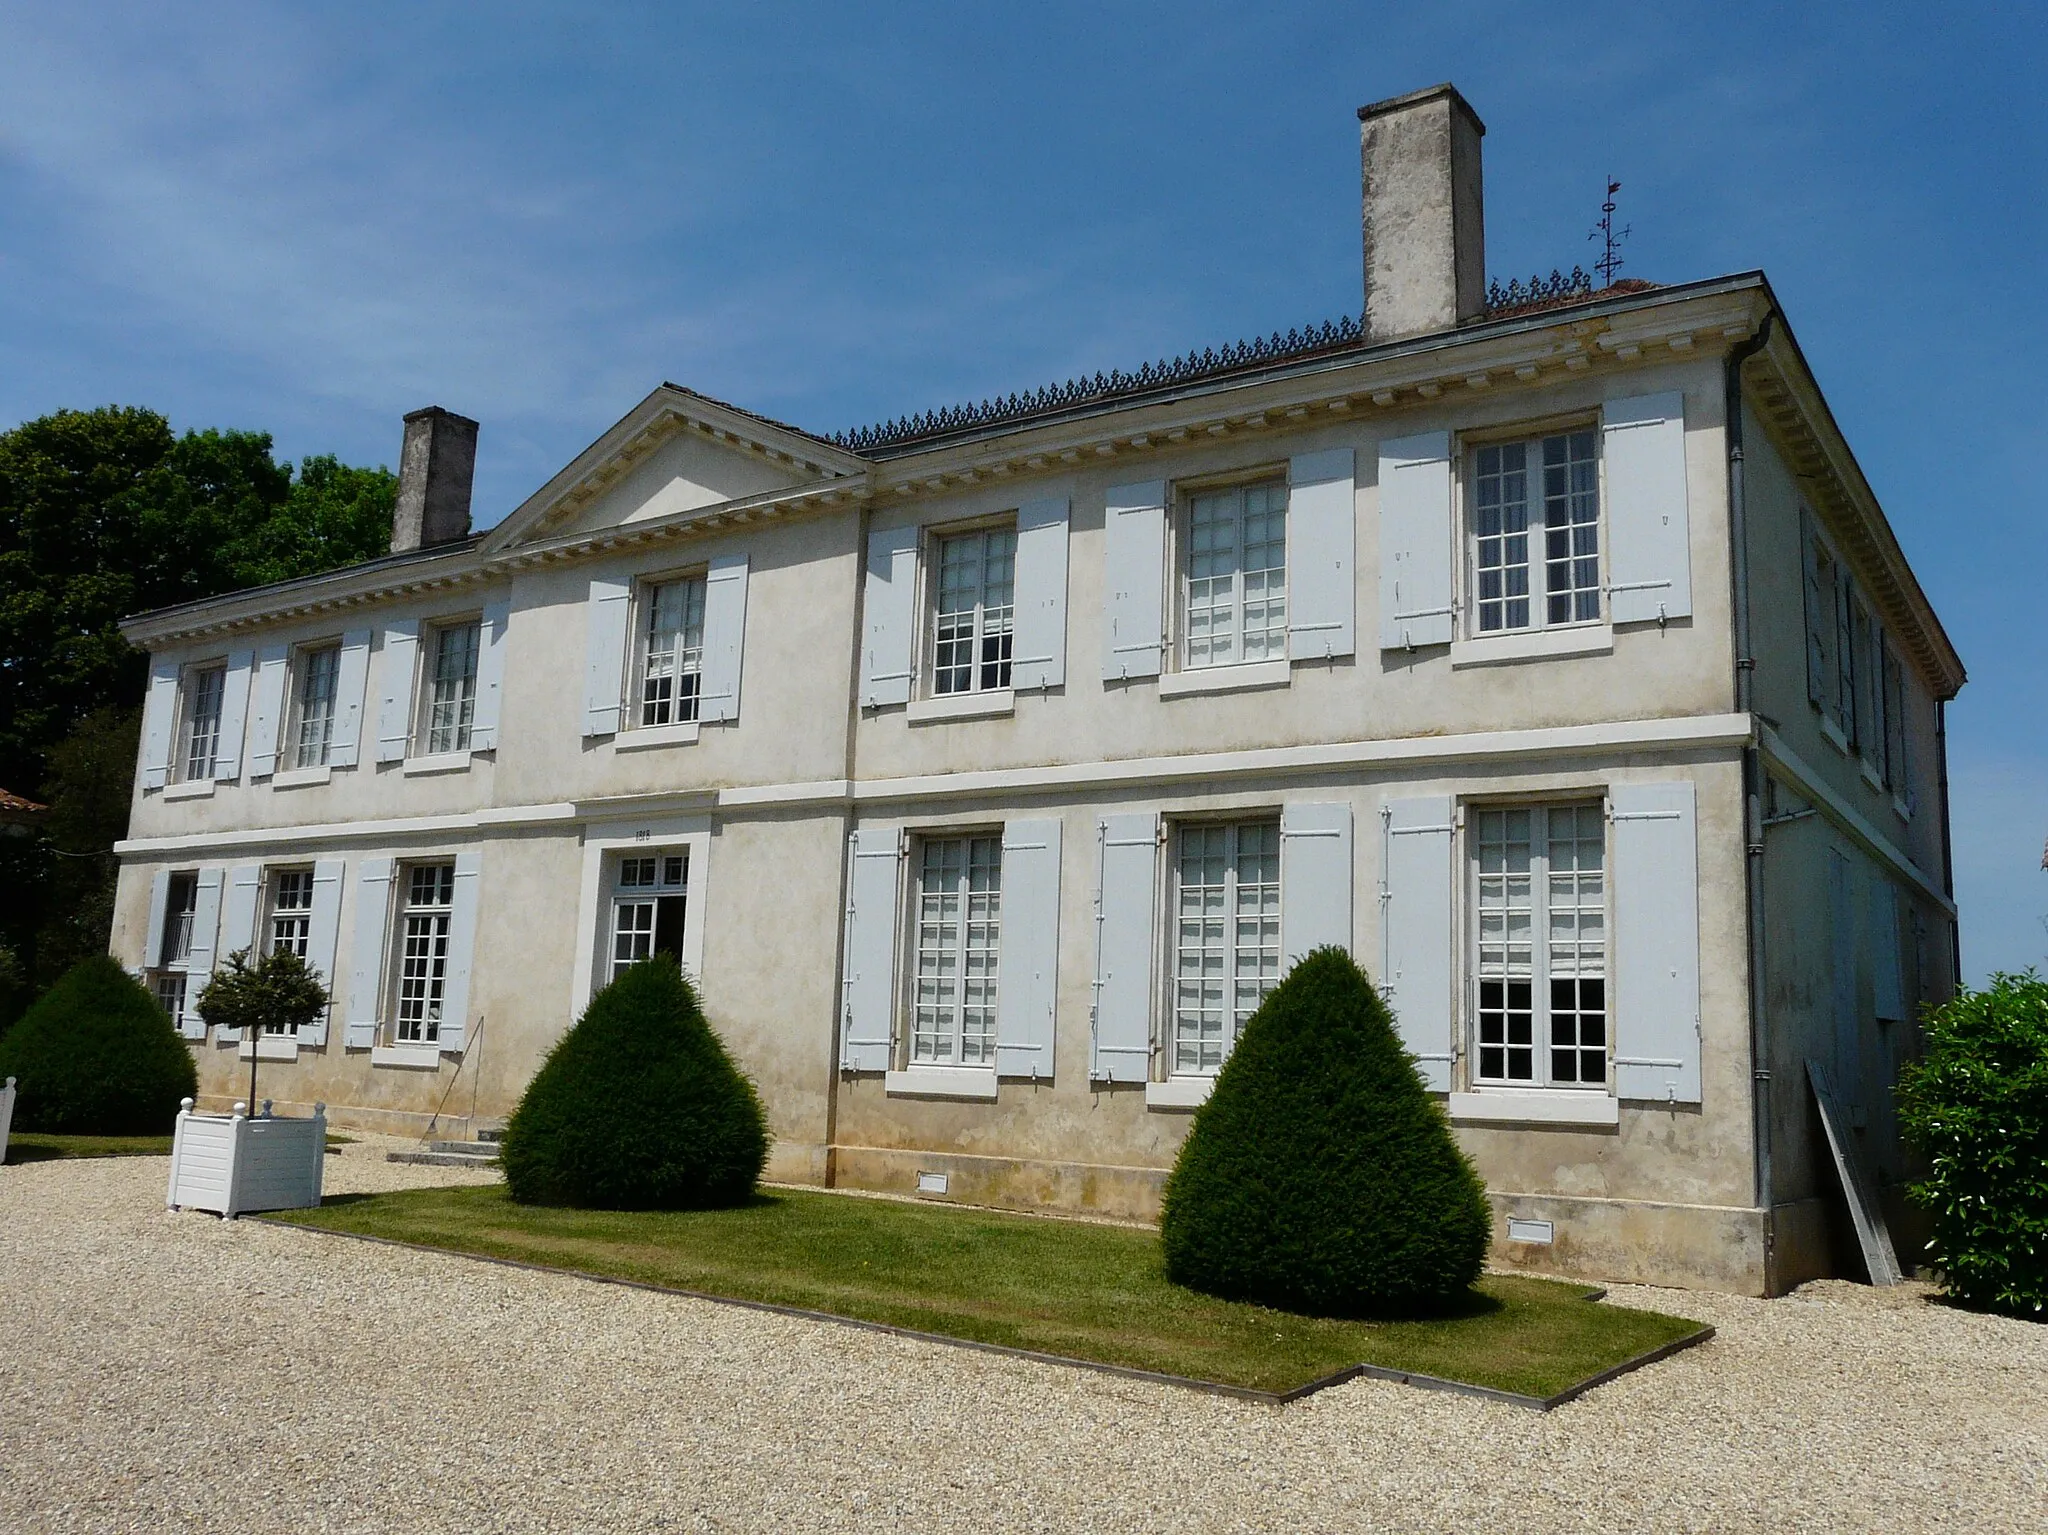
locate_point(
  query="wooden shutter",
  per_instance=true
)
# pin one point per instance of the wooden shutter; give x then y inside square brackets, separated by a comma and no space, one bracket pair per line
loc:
[1415,541]
[1819,615]
[159,908]
[1842,978]
[366,971]
[1649,543]
[351,680]
[234,715]
[1027,985]
[725,633]
[1656,961]
[1888,976]
[1133,580]
[323,936]
[461,953]
[490,675]
[1315,879]
[868,1017]
[266,710]
[1322,524]
[159,715]
[1125,901]
[888,652]
[239,900]
[1039,654]
[205,930]
[1416,929]
[604,668]
[395,682]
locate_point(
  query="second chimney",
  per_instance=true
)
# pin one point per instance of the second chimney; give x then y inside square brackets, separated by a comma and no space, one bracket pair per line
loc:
[1425,227]
[436,467]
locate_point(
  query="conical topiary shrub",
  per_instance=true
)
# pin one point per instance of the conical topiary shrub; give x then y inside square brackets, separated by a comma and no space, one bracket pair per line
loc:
[637,1108]
[96,1055]
[1320,1176]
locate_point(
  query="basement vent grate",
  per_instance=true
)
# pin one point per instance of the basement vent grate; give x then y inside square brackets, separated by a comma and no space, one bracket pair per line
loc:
[931,1183]
[1521,1229]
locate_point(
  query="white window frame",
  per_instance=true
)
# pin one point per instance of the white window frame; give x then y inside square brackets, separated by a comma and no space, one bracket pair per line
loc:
[1268,479]
[294,748]
[167,960]
[1532,442]
[287,926]
[435,921]
[937,1034]
[643,880]
[432,737]
[1541,1044]
[1269,961]
[986,621]
[694,586]
[189,692]
[602,843]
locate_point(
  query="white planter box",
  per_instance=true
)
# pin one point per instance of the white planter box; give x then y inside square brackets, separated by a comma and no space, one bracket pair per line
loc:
[6,1114]
[231,1163]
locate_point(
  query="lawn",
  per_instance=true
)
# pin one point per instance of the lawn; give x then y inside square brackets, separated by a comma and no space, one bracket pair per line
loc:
[1071,1288]
[33,1146]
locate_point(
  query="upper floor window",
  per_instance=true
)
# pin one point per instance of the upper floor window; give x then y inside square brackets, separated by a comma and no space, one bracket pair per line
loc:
[1535,548]
[974,611]
[1540,928]
[1234,596]
[672,653]
[959,941]
[648,895]
[423,951]
[199,739]
[313,700]
[451,699]
[1226,937]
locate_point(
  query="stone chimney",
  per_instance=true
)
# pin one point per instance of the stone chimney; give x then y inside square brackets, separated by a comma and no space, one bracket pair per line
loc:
[435,468]
[1425,227]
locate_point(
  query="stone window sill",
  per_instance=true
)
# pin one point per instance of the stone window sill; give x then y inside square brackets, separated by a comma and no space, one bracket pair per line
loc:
[974,1083]
[1178,1093]
[419,1057]
[648,737]
[271,1049]
[1834,734]
[191,788]
[301,778]
[1533,645]
[1241,678]
[962,706]
[442,762]
[1534,1106]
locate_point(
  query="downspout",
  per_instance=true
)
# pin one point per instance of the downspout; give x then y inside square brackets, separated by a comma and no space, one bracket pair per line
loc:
[834,1076]
[1948,863]
[1752,787]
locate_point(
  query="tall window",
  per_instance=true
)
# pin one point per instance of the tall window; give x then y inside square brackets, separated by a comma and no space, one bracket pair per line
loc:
[423,951]
[1226,937]
[1845,655]
[1235,599]
[205,686]
[974,612]
[959,934]
[174,945]
[313,706]
[1520,584]
[291,921]
[647,908]
[451,704]
[1541,930]
[672,660]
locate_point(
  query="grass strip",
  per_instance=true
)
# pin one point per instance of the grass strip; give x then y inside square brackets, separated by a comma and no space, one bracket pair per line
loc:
[1069,1288]
[35,1146]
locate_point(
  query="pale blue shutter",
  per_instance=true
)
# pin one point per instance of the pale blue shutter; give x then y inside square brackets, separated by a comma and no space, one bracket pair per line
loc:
[1416,929]
[1888,978]
[725,633]
[238,920]
[1415,541]
[1322,522]
[1819,618]
[461,953]
[1133,581]
[604,663]
[1656,964]
[351,681]
[266,710]
[159,907]
[1039,653]
[490,675]
[1125,893]
[323,937]
[889,615]
[395,682]
[1028,985]
[200,960]
[1842,978]
[366,972]
[159,714]
[234,715]
[868,1015]
[1315,880]
[1649,570]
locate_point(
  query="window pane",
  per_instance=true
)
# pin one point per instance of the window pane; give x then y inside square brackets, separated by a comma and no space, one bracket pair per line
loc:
[1227,937]
[1571,529]
[974,613]
[452,709]
[1504,922]
[1541,927]
[1235,604]
[423,953]
[672,669]
[202,721]
[959,933]
[1500,527]
[314,737]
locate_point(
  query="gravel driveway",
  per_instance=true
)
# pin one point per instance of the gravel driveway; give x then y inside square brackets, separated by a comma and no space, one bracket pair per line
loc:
[169,1372]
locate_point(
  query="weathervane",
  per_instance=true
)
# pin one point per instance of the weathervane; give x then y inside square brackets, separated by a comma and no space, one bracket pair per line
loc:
[1610,260]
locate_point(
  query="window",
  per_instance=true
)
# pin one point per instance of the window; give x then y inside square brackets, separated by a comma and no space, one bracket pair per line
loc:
[290,929]
[312,734]
[1541,931]
[647,908]
[1844,700]
[205,688]
[1517,585]
[974,611]
[1898,776]
[423,951]
[167,978]
[959,935]
[169,988]
[1235,598]
[451,702]
[1226,937]
[672,655]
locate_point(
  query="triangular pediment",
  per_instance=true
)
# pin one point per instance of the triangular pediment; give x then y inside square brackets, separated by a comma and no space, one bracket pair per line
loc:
[674,452]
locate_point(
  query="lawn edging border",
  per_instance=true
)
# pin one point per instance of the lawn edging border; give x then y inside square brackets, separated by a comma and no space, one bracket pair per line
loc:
[1126,1372]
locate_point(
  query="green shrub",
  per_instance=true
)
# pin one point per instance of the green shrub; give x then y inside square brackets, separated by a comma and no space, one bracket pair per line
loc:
[1320,1176]
[637,1108]
[96,1055]
[1977,1107]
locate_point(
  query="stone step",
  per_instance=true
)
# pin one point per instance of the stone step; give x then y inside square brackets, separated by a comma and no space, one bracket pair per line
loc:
[483,1157]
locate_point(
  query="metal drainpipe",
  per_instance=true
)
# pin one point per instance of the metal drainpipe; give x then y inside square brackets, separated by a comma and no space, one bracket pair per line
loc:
[834,1077]
[1752,784]
[1948,863]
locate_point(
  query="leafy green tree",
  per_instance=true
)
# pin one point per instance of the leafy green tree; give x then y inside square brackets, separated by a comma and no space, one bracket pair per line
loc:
[278,992]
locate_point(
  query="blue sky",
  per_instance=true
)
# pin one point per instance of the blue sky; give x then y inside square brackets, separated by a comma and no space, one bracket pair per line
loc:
[310,220]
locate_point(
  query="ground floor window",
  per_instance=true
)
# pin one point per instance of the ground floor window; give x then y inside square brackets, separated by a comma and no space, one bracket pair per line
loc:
[423,951]
[648,895]
[1540,929]
[1226,937]
[169,989]
[290,928]
[959,937]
